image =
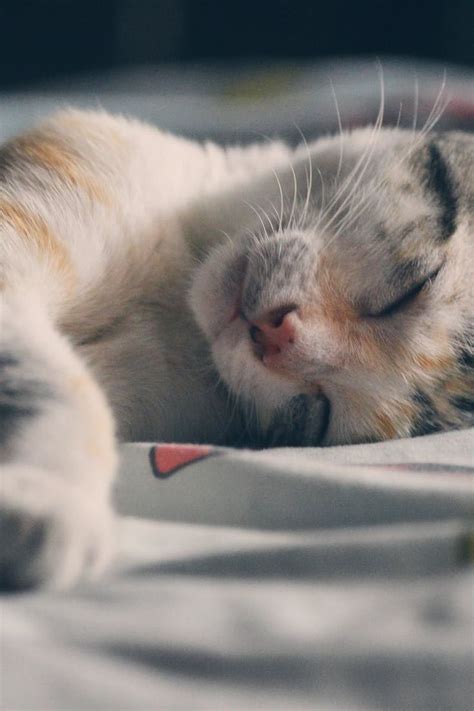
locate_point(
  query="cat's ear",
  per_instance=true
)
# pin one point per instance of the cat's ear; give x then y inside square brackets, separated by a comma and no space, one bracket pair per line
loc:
[439,185]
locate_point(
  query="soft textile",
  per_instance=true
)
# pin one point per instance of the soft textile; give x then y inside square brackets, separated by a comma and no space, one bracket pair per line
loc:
[334,578]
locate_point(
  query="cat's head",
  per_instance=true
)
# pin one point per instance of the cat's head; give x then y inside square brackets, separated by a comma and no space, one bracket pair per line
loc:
[344,312]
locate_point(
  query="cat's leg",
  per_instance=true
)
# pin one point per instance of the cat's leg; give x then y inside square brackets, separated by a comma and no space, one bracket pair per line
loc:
[57,454]
[302,422]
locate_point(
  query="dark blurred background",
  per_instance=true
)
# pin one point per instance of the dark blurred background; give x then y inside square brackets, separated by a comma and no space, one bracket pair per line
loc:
[44,40]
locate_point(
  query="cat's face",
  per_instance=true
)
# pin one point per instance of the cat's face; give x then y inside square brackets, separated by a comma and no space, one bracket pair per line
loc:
[346,315]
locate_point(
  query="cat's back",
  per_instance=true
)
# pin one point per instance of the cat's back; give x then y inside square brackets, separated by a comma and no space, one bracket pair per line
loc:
[79,166]
[86,200]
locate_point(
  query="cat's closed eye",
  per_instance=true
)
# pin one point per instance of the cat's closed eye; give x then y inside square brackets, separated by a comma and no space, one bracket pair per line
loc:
[406,298]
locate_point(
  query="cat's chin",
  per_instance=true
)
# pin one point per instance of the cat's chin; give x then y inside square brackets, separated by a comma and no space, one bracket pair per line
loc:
[270,395]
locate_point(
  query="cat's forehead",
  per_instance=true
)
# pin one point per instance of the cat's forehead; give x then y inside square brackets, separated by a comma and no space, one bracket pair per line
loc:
[382,215]
[394,202]
[375,214]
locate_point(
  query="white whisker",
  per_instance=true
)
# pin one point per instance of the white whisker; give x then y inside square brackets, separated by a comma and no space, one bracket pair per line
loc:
[364,161]
[416,100]
[399,117]
[434,116]
[257,213]
[282,201]
[309,177]
[340,129]
[295,194]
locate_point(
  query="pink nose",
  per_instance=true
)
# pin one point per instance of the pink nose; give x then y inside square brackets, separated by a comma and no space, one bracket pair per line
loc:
[275,331]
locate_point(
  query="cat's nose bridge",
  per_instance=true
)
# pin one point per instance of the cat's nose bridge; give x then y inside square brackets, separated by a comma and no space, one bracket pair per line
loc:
[277,272]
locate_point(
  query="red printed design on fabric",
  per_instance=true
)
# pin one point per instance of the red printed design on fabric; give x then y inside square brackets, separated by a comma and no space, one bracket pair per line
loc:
[166,459]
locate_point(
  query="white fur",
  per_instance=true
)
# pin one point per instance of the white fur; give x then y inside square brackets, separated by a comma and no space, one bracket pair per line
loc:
[128,260]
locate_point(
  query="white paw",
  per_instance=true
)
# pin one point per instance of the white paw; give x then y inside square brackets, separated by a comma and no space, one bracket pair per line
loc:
[52,534]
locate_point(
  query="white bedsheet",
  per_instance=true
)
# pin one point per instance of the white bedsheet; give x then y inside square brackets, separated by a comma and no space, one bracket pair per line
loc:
[331,578]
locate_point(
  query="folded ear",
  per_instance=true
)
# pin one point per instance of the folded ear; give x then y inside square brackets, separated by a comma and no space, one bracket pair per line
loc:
[439,183]
[445,166]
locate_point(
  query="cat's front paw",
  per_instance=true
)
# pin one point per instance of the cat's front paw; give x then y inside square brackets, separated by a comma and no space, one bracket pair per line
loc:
[302,422]
[51,534]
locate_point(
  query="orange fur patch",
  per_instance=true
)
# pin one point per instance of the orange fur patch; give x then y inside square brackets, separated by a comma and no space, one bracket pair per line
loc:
[398,422]
[356,338]
[334,302]
[34,230]
[434,364]
[53,155]
[385,427]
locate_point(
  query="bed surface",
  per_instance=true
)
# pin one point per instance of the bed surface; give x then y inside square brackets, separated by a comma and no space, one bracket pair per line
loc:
[327,579]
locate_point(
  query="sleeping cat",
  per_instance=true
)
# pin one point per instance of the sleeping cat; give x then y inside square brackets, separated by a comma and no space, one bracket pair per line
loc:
[152,288]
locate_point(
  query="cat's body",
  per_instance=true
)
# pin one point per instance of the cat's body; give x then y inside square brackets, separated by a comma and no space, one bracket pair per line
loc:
[167,290]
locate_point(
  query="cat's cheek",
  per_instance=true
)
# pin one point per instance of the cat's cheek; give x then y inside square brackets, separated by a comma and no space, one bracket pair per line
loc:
[215,292]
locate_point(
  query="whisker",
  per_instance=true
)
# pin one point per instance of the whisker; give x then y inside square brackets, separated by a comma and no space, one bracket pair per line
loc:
[399,117]
[340,129]
[227,235]
[295,194]
[282,201]
[323,198]
[434,109]
[364,161]
[416,100]
[257,213]
[267,217]
[309,177]
[434,116]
